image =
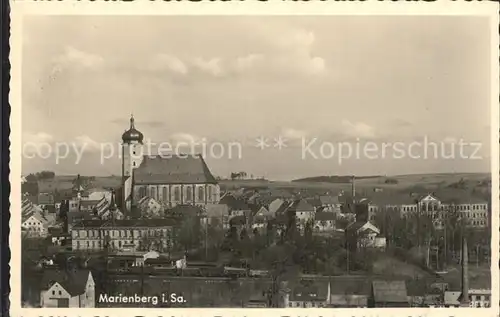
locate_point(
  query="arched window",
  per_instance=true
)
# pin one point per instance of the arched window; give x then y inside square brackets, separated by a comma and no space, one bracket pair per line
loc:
[142,192]
[153,193]
[177,194]
[189,193]
[201,194]
[209,193]
[165,194]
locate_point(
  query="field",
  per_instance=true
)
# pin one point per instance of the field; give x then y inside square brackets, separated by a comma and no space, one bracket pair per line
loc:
[427,181]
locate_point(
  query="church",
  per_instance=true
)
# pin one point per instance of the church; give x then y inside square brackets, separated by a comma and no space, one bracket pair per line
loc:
[172,180]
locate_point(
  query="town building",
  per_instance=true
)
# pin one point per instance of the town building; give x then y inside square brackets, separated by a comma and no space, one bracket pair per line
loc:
[308,294]
[362,234]
[170,179]
[34,224]
[389,294]
[304,211]
[73,289]
[324,221]
[117,234]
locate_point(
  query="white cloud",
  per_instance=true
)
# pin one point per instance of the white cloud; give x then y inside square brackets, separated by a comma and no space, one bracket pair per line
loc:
[182,137]
[357,129]
[211,66]
[87,143]
[170,63]
[37,138]
[248,62]
[73,57]
[293,134]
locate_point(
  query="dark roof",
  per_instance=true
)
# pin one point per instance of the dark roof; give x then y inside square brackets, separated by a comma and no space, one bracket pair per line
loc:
[73,282]
[350,285]
[127,223]
[175,169]
[283,207]
[186,210]
[310,291]
[132,134]
[77,216]
[314,202]
[234,203]
[329,200]
[321,216]
[238,220]
[389,292]
[302,206]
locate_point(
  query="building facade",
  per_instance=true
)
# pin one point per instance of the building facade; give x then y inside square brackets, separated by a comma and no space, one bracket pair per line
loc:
[173,179]
[144,234]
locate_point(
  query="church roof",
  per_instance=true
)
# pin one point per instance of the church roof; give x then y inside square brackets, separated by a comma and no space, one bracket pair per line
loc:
[175,169]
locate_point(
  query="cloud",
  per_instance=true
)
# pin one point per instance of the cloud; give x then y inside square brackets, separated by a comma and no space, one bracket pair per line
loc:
[165,62]
[357,129]
[182,137]
[37,138]
[87,143]
[75,58]
[293,134]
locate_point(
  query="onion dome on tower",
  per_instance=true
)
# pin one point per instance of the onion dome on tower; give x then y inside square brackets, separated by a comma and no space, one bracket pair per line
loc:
[132,134]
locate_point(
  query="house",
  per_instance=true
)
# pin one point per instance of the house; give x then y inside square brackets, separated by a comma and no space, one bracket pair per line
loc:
[71,289]
[324,221]
[364,235]
[308,294]
[149,207]
[478,298]
[45,200]
[351,291]
[74,217]
[237,207]
[35,225]
[304,211]
[389,294]
[276,205]
[330,203]
[116,234]
[217,215]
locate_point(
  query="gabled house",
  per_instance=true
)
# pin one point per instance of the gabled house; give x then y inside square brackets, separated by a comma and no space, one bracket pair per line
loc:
[71,289]
[149,207]
[324,221]
[362,234]
[330,204]
[389,294]
[35,225]
[304,211]
[308,294]
[237,207]
[276,205]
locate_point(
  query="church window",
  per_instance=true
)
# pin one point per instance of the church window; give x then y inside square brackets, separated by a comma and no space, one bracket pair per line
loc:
[177,194]
[165,194]
[209,193]
[201,194]
[189,193]
[142,192]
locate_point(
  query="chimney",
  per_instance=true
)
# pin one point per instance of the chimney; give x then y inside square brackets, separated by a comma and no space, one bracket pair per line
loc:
[464,300]
[353,187]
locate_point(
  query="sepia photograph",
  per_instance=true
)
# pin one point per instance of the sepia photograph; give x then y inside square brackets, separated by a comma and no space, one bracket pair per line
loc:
[246,161]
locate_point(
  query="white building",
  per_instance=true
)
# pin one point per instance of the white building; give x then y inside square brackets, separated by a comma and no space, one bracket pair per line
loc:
[68,289]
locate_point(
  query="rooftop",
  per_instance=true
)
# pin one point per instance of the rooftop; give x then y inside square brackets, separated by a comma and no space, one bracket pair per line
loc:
[175,169]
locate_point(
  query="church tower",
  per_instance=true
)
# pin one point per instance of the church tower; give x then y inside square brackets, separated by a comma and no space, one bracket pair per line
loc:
[132,155]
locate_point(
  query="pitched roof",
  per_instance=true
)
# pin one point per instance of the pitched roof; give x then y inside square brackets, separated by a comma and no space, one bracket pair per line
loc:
[186,210]
[36,214]
[351,285]
[452,298]
[323,216]
[74,282]
[217,210]
[175,169]
[234,203]
[389,292]
[329,200]
[302,206]
[127,223]
[362,226]
[77,216]
[238,220]
[316,202]
[45,199]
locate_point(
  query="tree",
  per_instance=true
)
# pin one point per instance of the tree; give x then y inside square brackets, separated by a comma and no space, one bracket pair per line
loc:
[189,233]
[31,178]
[45,175]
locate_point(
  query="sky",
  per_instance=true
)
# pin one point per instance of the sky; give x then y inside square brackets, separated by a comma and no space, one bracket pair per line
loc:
[228,80]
